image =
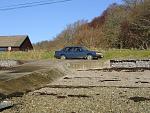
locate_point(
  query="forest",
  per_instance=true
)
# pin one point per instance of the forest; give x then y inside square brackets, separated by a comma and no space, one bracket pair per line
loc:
[120,26]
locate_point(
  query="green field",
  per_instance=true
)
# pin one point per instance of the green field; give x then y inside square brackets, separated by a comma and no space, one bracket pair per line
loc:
[108,54]
[126,54]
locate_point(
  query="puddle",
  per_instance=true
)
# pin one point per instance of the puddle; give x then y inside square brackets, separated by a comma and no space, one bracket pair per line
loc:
[84,77]
[67,78]
[44,93]
[61,96]
[138,99]
[144,82]
[137,78]
[79,96]
[109,80]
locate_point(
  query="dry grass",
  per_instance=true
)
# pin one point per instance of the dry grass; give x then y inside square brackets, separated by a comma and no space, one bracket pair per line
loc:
[30,55]
[108,54]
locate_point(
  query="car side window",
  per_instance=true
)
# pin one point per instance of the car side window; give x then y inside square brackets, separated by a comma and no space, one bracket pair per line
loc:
[81,49]
[78,50]
[66,49]
[73,49]
[69,49]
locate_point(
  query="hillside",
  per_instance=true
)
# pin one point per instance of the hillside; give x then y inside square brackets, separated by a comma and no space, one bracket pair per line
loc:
[122,26]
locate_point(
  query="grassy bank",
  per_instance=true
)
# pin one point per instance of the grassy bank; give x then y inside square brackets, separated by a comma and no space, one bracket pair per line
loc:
[108,54]
[126,54]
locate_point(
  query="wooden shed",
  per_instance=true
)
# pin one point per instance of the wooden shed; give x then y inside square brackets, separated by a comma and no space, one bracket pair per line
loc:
[15,43]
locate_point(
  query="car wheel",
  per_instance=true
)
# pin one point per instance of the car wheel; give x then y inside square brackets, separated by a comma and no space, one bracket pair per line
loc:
[89,57]
[63,57]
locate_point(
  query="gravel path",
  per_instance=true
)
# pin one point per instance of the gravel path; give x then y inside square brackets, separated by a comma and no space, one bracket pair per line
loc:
[89,92]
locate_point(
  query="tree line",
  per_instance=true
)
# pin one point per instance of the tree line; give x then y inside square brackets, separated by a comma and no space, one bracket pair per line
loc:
[125,26]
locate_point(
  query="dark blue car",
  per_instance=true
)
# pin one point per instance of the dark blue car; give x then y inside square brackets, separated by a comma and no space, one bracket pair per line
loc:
[77,52]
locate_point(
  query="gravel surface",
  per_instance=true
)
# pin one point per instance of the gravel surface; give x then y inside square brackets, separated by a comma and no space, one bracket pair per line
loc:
[84,100]
[9,63]
[89,91]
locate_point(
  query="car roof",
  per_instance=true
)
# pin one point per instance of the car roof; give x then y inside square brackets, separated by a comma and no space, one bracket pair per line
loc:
[73,46]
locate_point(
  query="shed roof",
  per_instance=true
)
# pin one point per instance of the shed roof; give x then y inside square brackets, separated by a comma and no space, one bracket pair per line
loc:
[12,41]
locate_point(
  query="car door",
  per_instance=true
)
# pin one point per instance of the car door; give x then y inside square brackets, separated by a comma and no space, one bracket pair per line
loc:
[73,53]
[79,53]
[68,52]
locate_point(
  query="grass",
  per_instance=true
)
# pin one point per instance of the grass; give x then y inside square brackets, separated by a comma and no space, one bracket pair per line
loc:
[108,54]
[126,54]
[30,55]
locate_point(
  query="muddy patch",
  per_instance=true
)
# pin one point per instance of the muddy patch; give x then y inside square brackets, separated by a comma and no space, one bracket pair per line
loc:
[67,78]
[79,96]
[138,99]
[119,69]
[44,93]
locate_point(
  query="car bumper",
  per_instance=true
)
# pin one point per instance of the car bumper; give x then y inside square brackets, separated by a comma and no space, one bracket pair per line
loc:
[99,55]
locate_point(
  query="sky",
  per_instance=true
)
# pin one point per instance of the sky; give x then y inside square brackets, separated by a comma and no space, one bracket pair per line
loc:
[46,22]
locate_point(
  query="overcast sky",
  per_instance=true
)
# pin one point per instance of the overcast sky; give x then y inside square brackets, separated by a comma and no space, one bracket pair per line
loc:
[47,21]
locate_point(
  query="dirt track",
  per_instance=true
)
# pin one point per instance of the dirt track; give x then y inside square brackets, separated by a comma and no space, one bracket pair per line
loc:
[90,91]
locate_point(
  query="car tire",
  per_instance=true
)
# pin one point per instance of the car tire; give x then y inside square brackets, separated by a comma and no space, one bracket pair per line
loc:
[89,57]
[63,57]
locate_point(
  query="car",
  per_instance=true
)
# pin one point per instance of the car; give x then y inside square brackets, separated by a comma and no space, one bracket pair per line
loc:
[76,52]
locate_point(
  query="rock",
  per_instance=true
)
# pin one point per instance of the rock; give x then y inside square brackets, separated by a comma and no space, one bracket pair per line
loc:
[130,63]
[8,63]
[5,105]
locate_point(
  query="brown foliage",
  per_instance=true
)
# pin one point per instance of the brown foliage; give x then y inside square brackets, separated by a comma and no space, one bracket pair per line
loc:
[120,26]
